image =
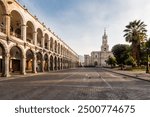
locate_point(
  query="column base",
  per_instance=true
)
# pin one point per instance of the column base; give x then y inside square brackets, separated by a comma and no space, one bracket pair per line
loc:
[24,73]
[34,72]
[6,75]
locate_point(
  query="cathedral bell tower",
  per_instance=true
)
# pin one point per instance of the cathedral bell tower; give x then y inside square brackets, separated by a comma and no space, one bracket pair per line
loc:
[104,47]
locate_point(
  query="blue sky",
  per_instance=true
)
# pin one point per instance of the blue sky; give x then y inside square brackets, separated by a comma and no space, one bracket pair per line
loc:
[81,23]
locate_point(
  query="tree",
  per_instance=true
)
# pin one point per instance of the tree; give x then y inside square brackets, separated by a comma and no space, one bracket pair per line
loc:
[148,46]
[111,61]
[135,33]
[130,61]
[148,43]
[121,53]
[143,54]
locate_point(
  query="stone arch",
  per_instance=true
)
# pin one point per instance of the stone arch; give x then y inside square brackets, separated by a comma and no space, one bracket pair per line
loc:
[19,46]
[51,63]
[39,37]
[4,46]
[51,44]
[39,62]
[15,60]
[16,23]
[45,62]
[4,5]
[46,41]
[30,32]
[3,12]
[95,63]
[29,61]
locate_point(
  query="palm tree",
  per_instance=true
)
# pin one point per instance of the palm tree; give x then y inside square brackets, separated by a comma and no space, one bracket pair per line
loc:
[135,33]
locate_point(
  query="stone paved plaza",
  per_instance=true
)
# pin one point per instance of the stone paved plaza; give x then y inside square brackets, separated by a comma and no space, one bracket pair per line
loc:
[74,84]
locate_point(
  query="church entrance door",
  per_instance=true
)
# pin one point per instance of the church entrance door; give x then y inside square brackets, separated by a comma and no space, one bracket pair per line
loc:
[95,63]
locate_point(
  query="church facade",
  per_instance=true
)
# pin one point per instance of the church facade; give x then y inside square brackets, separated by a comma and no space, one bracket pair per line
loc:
[98,58]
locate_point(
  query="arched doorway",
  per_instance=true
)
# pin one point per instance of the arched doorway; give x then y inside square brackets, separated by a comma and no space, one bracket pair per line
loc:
[51,63]
[46,41]
[30,32]
[39,62]
[16,24]
[61,64]
[55,61]
[29,61]
[39,37]
[15,60]
[2,60]
[51,44]
[58,63]
[46,62]
[95,63]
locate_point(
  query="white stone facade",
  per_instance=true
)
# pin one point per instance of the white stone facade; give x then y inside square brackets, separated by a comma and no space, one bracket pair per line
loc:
[98,58]
[26,45]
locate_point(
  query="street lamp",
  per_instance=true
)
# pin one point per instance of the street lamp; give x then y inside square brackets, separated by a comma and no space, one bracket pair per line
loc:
[147,66]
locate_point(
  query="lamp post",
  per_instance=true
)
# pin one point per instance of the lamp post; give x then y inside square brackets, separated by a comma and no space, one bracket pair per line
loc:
[147,66]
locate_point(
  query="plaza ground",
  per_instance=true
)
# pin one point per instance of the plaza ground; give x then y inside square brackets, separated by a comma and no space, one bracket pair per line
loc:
[75,84]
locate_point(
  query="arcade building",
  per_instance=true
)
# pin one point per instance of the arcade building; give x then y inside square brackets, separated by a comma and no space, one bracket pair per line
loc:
[27,45]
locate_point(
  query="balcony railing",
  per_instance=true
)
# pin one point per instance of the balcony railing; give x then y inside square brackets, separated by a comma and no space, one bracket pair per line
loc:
[15,35]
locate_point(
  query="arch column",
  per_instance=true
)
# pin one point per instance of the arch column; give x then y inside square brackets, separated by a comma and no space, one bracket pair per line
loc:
[34,63]
[7,25]
[61,64]
[6,63]
[43,63]
[24,31]
[53,63]
[23,65]
[43,42]
[49,65]
[35,38]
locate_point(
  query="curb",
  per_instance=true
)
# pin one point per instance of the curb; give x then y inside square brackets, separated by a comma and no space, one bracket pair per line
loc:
[139,78]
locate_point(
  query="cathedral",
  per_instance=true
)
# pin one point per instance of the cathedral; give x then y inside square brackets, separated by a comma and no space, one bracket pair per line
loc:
[98,58]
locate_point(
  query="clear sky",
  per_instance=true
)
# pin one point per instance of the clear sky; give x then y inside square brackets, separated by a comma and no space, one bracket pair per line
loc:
[81,23]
